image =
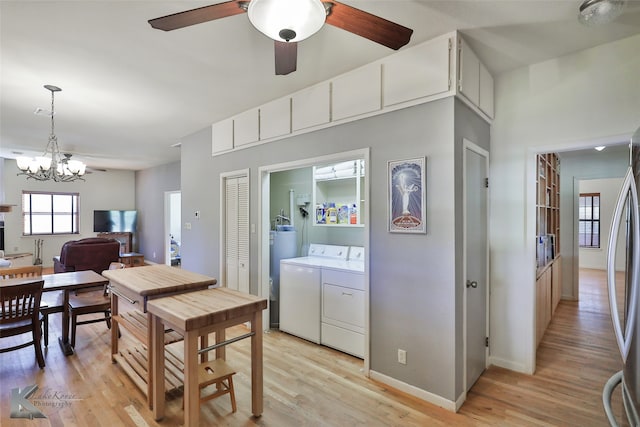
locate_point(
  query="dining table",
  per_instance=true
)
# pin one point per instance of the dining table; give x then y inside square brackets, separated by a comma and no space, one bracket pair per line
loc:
[66,282]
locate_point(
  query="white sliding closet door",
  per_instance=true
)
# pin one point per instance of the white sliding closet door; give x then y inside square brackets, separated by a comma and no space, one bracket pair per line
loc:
[237,233]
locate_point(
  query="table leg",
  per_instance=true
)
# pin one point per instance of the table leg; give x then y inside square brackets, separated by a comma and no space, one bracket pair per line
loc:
[114,326]
[156,375]
[151,350]
[256,365]
[191,389]
[221,336]
[204,343]
[67,350]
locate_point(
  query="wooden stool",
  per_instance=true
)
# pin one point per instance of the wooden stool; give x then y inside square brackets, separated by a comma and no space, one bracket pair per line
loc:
[216,372]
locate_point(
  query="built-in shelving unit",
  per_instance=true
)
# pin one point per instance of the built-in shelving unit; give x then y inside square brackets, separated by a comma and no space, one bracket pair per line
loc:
[338,186]
[548,272]
[548,208]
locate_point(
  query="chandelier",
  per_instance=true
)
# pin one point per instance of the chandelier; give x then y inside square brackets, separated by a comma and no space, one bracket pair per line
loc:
[51,166]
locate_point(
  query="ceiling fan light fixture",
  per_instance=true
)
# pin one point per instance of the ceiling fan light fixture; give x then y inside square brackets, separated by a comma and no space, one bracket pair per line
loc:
[287,20]
[598,12]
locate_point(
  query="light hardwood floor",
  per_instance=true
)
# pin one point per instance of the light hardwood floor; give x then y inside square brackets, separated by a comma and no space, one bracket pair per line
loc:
[310,385]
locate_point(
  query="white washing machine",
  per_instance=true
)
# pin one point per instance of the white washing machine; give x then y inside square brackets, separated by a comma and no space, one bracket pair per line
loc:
[307,306]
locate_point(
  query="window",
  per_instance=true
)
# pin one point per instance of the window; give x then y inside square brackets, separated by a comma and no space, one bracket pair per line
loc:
[589,220]
[49,213]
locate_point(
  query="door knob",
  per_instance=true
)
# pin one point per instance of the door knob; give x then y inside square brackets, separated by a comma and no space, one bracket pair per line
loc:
[471,284]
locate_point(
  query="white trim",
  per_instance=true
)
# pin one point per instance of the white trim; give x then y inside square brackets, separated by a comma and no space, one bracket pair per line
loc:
[509,364]
[264,226]
[415,391]
[468,145]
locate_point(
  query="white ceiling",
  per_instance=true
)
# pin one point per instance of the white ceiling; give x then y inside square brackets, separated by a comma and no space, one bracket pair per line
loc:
[130,92]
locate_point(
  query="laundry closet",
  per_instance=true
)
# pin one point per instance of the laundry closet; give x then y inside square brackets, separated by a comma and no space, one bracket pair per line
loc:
[317,253]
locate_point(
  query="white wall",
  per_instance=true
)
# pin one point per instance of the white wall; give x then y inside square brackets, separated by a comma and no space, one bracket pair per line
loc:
[608,189]
[568,102]
[113,189]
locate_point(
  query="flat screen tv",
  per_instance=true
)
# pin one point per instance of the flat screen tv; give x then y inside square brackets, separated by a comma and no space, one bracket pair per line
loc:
[115,221]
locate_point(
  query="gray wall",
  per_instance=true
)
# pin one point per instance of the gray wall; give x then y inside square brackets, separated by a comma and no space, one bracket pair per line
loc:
[413,304]
[151,185]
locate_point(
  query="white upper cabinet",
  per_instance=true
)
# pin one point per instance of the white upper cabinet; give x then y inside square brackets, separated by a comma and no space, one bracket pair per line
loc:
[469,83]
[222,136]
[417,72]
[310,107]
[245,128]
[486,91]
[357,92]
[275,118]
[475,83]
[444,66]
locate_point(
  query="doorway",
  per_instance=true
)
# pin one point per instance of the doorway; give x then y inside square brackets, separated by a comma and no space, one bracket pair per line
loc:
[172,228]
[268,181]
[582,169]
[476,261]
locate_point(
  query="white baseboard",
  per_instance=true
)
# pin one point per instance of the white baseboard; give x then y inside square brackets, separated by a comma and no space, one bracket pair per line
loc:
[508,364]
[415,391]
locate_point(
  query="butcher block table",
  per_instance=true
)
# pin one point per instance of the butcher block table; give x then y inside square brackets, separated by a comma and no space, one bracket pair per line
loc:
[195,315]
[138,286]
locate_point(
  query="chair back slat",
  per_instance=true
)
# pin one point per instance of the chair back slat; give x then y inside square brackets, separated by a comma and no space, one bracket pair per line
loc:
[20,302]
[18,272]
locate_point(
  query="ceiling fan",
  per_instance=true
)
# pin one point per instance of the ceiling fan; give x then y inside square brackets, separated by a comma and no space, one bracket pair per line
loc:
[290,21]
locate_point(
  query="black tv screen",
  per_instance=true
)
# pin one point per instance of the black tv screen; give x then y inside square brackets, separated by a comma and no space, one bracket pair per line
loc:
[115,221]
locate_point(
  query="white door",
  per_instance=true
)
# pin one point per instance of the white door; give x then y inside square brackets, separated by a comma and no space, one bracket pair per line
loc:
[476,261]
[237,233]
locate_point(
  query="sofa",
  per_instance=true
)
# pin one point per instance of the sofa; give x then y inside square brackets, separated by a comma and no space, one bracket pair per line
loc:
[93,253]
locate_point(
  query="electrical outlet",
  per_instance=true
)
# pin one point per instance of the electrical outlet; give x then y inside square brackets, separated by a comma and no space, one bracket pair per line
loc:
[154,255]
[187,226]
[402,356]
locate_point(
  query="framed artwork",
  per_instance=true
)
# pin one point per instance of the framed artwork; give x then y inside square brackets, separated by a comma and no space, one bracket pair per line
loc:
[407,213]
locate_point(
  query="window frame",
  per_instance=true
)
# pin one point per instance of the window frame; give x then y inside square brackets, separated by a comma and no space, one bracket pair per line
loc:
[28,215]
[591,221]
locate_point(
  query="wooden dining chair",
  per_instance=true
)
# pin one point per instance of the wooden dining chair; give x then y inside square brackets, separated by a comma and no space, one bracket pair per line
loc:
[51,302]
[19,272]
[91,302]
[20,314]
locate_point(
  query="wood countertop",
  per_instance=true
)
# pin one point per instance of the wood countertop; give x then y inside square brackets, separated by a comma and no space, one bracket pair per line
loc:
[157,279]
[193,310]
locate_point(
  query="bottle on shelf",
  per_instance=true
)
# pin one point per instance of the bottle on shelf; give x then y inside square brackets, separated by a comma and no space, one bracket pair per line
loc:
[343,214]
[332,214]
[321,217]
[353,214]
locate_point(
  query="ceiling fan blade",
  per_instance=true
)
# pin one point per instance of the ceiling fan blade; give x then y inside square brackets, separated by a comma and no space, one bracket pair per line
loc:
[199,15]
[286,55]
[369,26]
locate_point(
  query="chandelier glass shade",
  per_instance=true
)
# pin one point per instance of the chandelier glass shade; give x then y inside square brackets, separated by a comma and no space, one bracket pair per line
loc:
[51,166]
[287,20]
